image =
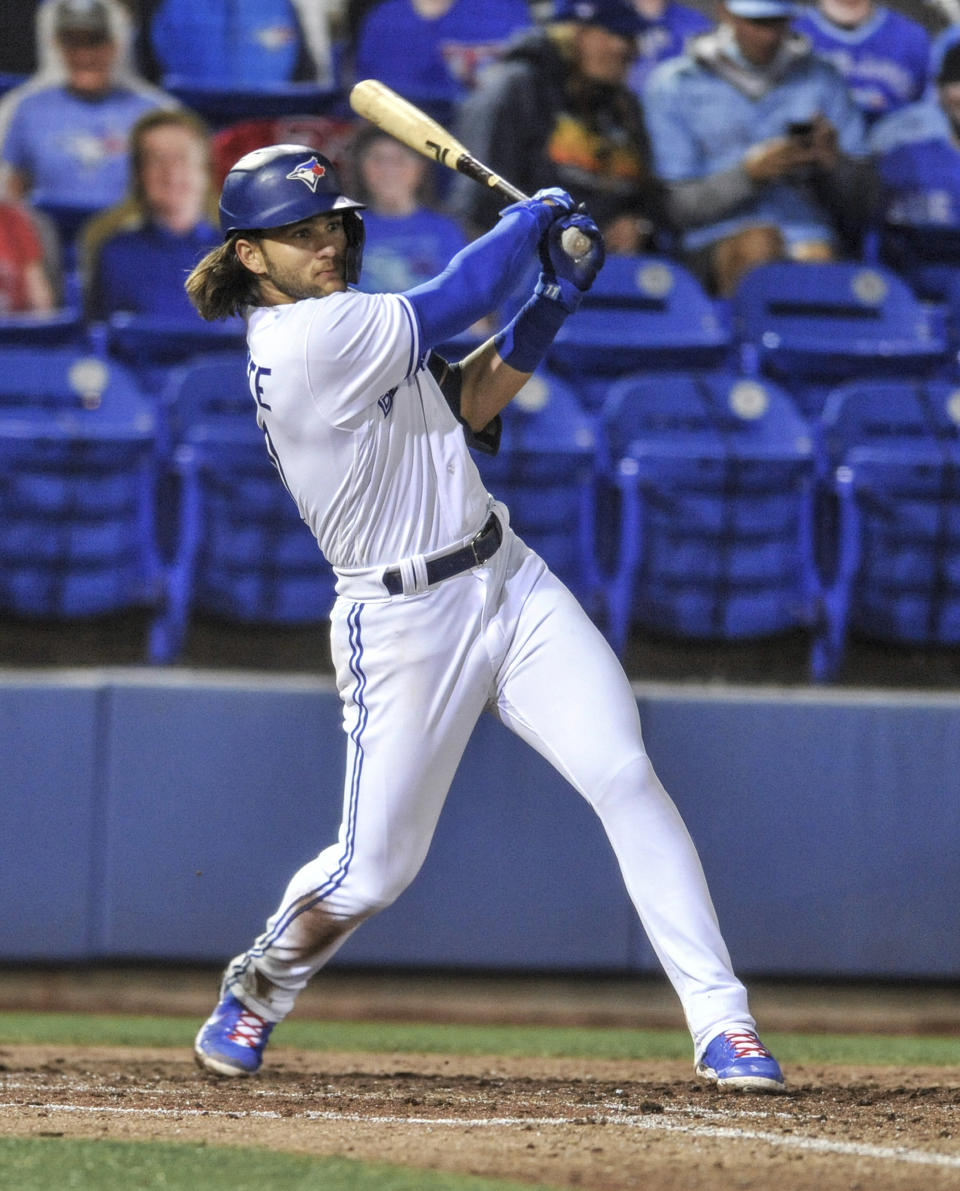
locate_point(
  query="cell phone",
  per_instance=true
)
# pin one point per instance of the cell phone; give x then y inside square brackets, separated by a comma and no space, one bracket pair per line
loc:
[801,129]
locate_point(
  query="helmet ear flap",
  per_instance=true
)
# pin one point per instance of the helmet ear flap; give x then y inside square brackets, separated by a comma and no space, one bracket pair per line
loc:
[356,234]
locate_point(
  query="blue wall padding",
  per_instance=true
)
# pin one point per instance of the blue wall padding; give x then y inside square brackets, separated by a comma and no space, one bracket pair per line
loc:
[51,827]
[158,815]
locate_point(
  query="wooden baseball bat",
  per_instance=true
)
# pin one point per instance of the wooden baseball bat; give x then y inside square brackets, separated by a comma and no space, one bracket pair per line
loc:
[381,105]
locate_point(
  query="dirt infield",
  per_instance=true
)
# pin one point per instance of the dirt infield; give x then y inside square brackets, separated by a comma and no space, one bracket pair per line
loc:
[580,1123]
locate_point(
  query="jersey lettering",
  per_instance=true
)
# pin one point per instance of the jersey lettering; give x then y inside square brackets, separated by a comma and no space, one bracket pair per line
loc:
[386,402]
[256,375]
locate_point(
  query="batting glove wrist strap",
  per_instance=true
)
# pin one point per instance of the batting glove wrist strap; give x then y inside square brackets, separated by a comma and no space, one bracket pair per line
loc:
[558,289]
[526,339]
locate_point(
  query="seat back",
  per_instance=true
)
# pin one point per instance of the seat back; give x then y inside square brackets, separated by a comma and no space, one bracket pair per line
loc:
[243,552]
[815,325]
[893,413]
[59,328]
[544,473]
[716,479]
[893,454]
[641,312]
[78,477]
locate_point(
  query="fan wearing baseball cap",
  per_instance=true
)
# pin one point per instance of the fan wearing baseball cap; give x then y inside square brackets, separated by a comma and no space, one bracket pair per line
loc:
[760,145]
[63,133]
[558,108]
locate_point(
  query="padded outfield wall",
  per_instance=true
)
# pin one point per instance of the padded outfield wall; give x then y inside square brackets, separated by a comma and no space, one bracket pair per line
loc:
[156,814]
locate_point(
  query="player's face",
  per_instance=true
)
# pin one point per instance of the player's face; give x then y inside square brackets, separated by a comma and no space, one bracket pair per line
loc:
[304,260]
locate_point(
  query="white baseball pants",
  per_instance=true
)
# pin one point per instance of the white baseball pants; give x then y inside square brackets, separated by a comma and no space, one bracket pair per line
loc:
[414,674]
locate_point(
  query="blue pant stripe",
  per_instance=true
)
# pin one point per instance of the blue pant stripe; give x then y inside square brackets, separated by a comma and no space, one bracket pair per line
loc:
[336,878]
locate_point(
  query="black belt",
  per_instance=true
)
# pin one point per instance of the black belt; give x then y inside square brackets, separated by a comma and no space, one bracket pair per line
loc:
[477,551]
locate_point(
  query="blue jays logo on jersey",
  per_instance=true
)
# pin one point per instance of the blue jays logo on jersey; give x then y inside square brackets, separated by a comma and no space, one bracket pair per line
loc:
[309,172]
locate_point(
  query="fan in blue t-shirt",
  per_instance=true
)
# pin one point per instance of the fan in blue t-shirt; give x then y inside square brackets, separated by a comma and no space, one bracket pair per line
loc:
[882,55]
[139,253]
[408,240]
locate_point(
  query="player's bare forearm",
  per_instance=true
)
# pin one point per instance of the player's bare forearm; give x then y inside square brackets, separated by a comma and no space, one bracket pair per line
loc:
[487,385]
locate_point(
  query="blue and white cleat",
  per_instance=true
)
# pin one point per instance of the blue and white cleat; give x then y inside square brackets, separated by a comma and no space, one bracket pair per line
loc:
[232,1039]
[737,1060]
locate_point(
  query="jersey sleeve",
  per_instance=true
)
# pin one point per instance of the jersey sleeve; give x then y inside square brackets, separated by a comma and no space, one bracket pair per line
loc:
[359,347]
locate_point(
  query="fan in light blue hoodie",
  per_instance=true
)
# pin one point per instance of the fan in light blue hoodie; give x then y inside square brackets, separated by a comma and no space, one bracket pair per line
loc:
[721,117]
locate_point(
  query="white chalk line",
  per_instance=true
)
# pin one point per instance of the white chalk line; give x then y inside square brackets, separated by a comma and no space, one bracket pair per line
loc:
[651,1123]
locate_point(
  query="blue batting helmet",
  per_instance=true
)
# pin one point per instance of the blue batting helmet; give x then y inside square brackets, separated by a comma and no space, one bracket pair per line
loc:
[282,184]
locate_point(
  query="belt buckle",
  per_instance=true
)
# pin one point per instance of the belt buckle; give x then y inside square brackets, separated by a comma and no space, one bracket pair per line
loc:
[477,560]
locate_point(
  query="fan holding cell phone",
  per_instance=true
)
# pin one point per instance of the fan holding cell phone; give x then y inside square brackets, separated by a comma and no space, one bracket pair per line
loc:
[760,146]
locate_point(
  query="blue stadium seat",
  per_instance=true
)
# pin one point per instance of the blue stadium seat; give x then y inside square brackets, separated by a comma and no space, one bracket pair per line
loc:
[150,344]
[642,312]
[222,104]
[57,328]
[892,460]
[716,478]
[78,476]
[813,326]
[544,472]
[243,552]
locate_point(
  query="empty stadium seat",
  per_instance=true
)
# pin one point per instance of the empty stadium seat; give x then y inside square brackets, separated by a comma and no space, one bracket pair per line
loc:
[892,454]
[715,473]
[812,326]
[544,472]
[243,552]
[78,477]
[642,313]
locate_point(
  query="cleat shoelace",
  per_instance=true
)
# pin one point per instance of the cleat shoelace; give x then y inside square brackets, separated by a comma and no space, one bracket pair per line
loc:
[248,1030]
[746,1045]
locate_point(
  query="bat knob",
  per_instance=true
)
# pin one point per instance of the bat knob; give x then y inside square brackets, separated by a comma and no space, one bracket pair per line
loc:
[574,243]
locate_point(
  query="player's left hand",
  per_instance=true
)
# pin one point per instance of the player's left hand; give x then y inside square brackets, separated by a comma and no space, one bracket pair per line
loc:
[581,271]
[545,206]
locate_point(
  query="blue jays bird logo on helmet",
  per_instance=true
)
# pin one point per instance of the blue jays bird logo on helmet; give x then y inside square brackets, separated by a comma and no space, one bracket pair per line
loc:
[309,172]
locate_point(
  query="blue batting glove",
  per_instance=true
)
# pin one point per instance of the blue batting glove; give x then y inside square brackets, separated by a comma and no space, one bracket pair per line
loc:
[581,271]
[559,290]
[545,206]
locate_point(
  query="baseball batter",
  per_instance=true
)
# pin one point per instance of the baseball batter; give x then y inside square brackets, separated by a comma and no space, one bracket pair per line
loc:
[442,612]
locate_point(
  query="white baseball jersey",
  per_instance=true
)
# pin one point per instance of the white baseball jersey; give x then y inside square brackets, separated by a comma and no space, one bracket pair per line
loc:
[359,430]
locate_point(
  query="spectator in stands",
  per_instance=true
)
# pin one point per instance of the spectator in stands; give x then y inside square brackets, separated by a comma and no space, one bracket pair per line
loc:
[920,188]
[667,26]
[558,111]
[407,240]
[24,284]
[432,50]
[923,120]
[233,43]
[761,146]
[138,253]
[882,55]
[63,133]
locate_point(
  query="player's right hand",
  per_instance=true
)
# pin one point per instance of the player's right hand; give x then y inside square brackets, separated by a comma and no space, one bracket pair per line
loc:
[581,271]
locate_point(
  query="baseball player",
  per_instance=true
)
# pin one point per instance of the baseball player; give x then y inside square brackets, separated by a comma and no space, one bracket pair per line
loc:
[442,612]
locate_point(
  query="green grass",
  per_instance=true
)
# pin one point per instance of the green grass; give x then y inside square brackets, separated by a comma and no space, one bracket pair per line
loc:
[46,1163]
[516,1041]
